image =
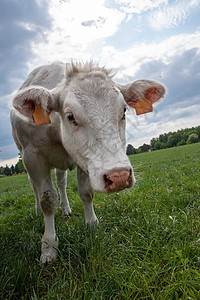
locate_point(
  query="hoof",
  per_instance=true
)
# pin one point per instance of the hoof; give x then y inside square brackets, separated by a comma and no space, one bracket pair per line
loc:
[66,211]
[48,251]
[93,222]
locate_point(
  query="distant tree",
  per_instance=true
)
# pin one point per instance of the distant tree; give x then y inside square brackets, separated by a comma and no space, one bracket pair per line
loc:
[130,150]
[181,143]
[19,167]
[157,145]
[12,170]
[145,148]
[16,169]
[172,140]
[178,138]
[1,170]
[193,138]
[185,136]
[163,138]
[198,131]
[139,150]
[7,171]
[154,143]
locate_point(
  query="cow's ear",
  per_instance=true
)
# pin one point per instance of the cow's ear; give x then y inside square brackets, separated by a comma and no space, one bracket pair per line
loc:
[35,103]
[141,94]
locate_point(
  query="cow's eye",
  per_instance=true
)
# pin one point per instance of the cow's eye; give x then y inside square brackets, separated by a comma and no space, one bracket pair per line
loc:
[124,115]
[71,118]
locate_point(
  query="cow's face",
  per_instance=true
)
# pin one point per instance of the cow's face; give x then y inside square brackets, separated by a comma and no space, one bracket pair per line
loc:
[92,112]
[93,131]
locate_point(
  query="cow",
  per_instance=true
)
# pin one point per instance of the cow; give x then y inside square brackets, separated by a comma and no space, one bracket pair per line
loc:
[68,115]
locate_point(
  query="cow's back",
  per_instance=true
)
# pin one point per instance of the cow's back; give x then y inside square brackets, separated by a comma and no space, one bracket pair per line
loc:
[48,76]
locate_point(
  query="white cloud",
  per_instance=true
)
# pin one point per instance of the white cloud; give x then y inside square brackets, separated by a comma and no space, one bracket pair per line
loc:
[80,33]
[71,18]
[130,6]
[9,162]
[161,13]
[168,16]
[77,25]
[129,61]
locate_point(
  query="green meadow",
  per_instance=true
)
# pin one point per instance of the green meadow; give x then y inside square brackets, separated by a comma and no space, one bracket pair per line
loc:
[147,244]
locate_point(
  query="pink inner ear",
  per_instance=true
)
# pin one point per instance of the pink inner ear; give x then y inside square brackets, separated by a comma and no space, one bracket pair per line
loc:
[153,94]
[27,108]
[132,99]
[29,105]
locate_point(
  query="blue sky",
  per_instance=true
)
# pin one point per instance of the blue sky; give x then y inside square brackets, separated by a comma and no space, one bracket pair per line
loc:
[153,39]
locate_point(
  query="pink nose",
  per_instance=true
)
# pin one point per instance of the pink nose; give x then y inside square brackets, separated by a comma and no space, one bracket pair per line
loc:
[118,180]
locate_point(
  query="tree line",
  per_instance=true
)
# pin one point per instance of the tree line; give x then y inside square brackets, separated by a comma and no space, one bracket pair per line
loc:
[168,140]
[13,170]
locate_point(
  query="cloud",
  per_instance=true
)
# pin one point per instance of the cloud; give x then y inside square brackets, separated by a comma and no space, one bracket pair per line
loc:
[9,162]
[21,22]
[161,14]
[171,15]
[138,7]
[139,57]
[97,23]
[78,26]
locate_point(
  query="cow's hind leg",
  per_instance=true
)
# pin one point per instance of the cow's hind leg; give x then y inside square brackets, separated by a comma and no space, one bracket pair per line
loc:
[86,194]
[40,178]
[61,180]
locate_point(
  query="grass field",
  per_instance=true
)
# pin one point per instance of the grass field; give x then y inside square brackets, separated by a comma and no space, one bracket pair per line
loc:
[147,245]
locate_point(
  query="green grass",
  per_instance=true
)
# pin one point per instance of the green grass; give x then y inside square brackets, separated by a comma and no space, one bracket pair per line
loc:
[147,245]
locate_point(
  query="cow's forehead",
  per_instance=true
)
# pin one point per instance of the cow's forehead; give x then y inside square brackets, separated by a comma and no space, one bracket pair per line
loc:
[95,88]
[86,70]
[94,94]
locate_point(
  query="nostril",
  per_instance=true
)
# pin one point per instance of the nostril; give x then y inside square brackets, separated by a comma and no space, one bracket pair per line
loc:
[107,180]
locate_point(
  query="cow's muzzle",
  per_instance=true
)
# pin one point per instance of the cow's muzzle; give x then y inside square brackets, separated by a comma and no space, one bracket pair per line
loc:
[118,180]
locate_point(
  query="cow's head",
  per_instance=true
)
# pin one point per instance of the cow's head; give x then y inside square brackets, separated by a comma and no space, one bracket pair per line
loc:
[92,110]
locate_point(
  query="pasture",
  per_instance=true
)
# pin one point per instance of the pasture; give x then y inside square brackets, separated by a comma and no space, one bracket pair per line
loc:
[147,245]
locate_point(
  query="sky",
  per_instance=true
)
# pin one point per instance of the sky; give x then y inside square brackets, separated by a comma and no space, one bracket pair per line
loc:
[148,39]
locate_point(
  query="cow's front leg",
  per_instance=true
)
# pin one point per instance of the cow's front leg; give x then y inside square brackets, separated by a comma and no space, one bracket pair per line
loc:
[61,180]
[49,203]
[49,241]
[39,176]
[86,194]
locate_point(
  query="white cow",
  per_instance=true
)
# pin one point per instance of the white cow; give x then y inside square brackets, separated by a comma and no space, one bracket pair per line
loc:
[68,115]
